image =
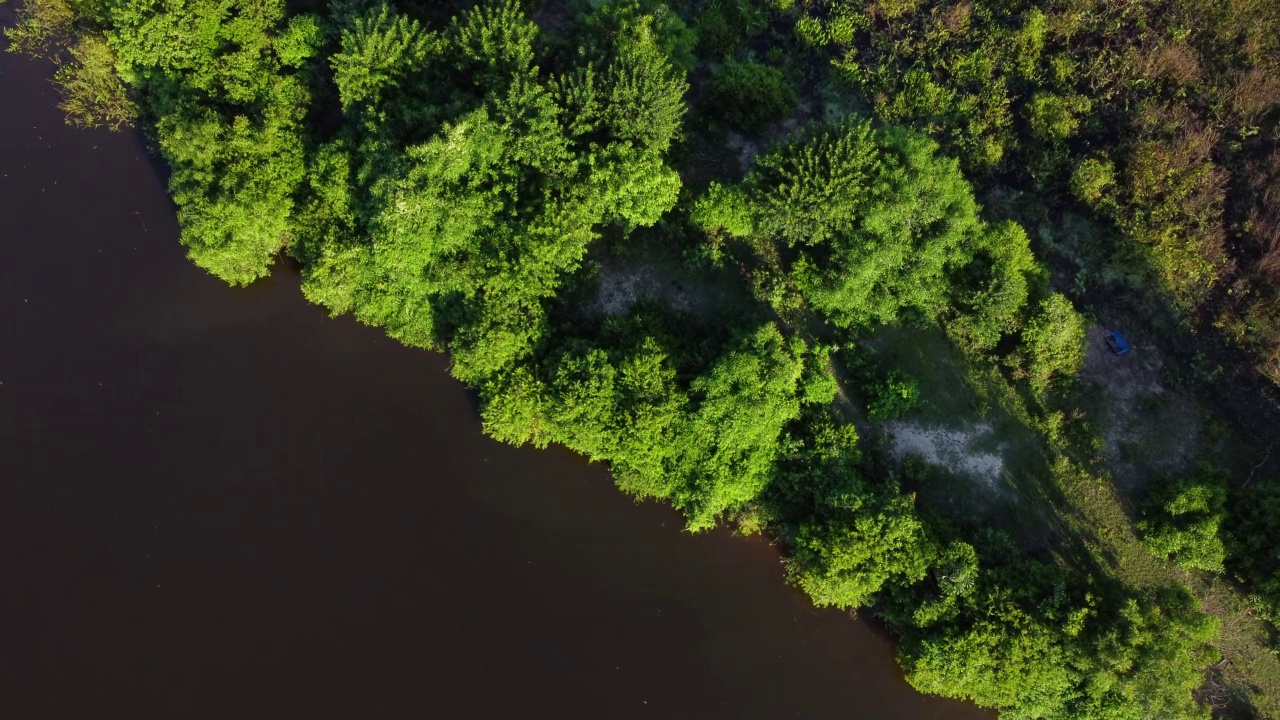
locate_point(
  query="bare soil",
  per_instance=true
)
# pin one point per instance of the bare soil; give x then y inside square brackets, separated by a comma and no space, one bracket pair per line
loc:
[1148,428]
[956,450]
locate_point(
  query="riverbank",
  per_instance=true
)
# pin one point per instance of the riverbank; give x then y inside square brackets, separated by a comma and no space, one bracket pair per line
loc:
[220,502]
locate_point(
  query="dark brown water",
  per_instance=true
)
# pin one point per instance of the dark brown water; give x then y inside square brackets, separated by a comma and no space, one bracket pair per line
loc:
[220,503]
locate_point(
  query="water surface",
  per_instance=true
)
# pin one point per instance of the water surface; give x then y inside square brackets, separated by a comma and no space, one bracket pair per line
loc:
[220,503]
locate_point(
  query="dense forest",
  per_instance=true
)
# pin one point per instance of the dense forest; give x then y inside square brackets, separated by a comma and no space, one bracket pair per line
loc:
[739,249]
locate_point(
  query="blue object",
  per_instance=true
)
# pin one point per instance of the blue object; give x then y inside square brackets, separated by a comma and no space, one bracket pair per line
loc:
[1118,343]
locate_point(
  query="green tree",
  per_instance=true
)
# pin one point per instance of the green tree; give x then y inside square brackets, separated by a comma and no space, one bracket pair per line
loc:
[474,228]
[922,220]
[381,49]
[817,187]
[1005,658]
[989,293]
[1146,659]
[644,91]
[229,118]
[856,544]
[234,183]
[877,222]
[739,411]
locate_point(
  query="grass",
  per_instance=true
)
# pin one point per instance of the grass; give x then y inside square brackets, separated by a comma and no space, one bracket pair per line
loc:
[42,27]
[951,401]
[1067,499]
[92,92]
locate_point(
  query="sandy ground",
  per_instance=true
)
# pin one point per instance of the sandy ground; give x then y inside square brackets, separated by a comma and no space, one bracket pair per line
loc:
[1146,428]
[623,286]
[955,449]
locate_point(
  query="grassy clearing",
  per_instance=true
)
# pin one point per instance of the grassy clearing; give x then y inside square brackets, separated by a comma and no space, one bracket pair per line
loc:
[952,403]
[1070,486]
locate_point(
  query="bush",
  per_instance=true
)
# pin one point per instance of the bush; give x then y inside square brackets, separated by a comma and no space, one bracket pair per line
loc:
[723,27]
[1173,223]
[1053,343]
[897,394]
[1053,118]
[725,208]
[1092,178]
[1183,521]
[809,31]
[1254,543]
[751,96]
[92,92]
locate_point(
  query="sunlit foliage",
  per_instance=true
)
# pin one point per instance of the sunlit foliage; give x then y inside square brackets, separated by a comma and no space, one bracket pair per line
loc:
[454,173]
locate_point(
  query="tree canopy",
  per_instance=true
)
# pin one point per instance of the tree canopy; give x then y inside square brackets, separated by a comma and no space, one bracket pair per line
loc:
[475,177]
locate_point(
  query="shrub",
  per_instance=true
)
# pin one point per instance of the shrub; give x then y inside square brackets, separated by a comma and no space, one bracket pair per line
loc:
[1053,118]
[1183,521]
[1092,178]
[726,208]
[1053,342]
[809,31]
[1254,543]
[897,394]
[751,96]
[1174,219]
[92,92]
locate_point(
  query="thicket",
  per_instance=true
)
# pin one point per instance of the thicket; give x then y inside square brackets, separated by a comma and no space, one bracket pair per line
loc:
[1184,520]
[445,171]
[1157,114]
[1155,120]
[751,95]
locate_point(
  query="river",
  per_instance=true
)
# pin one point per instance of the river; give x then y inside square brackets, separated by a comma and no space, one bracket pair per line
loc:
[221,503]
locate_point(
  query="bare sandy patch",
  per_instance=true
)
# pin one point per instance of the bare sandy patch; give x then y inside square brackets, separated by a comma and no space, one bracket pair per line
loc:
[957,450]
[1145,427]
[623,286]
